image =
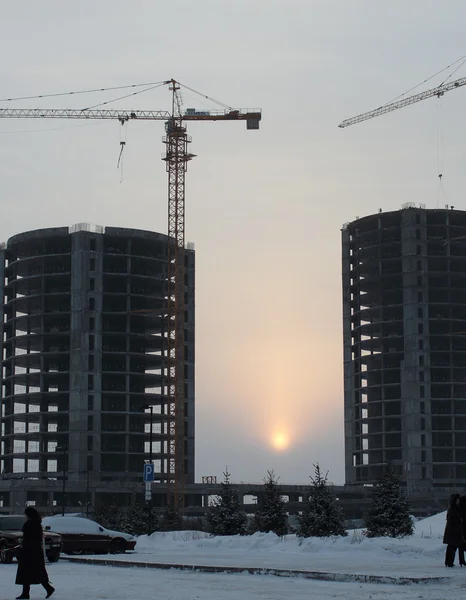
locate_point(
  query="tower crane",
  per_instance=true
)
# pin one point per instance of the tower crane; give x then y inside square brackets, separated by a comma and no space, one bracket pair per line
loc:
[386,108]
[176,157]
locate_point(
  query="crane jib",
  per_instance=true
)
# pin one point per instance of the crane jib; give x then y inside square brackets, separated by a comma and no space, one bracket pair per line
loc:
[386,108]
[125,115]
[56,113]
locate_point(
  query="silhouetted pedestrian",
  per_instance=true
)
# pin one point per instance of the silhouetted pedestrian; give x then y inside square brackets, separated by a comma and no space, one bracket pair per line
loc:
[461,550]
[31,557]
[453,535]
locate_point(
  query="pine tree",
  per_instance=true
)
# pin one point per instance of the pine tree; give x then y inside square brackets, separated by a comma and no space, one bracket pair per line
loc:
[107,515]
[171,519]
[226,516]
[136,520]
[272,515]
[321,516]
[389,514]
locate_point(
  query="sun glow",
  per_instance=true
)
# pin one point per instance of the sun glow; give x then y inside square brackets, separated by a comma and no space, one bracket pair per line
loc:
[280,441]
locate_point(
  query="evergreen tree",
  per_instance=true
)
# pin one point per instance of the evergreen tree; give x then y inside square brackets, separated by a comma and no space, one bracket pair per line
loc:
[108,515]
[389,514]
[321,516]
[136,520]
[226,516]
[171,519]
[272,515]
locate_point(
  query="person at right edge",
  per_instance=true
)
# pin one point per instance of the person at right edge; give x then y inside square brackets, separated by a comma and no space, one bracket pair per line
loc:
[31,558]
[453,535]
[462,509]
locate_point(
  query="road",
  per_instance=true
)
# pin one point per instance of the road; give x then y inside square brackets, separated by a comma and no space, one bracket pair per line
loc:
[88,582]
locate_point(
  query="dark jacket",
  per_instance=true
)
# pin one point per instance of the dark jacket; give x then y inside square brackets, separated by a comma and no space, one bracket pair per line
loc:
[462,507]
[453,535]
[31,559]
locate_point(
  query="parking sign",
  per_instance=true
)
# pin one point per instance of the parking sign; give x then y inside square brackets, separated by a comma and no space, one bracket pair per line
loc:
[148,472]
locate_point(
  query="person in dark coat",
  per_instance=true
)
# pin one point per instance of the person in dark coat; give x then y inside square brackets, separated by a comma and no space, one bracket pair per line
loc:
[453,535]
[31,557]
[461,550]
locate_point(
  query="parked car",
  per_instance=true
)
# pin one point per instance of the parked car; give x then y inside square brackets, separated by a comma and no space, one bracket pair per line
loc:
[81,535]
[11,537]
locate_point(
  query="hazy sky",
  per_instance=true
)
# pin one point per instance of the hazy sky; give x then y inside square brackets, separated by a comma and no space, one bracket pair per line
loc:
[264,208]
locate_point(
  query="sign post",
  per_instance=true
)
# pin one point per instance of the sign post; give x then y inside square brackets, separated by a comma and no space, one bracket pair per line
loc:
[148,477]
[148,491]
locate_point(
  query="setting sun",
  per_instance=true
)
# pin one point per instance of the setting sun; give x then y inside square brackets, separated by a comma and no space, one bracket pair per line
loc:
[280,441]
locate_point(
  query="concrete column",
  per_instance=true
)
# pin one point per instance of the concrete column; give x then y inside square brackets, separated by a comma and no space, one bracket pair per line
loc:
[414,298]
[190,361]
[97,294]
[349,400]
[79,357]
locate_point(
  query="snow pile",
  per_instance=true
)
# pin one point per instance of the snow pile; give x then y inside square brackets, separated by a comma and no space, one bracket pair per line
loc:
[172,539]
[426,542]
[419,555]
[432,527]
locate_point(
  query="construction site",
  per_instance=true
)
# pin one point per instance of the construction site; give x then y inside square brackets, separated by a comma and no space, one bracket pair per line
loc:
[85,378]
[98,348]
[404,321]
[98,340]
[404,307]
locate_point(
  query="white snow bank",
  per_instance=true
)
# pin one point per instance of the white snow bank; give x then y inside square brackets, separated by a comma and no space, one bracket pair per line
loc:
[432,527]
[420,555]
[425,542]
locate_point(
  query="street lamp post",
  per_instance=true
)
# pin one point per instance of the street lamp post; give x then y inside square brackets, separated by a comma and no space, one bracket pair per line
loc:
[151,409]
[63,449]
[88,499]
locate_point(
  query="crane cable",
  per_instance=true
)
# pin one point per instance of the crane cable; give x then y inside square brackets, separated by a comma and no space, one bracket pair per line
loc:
[439,161]
[125,96]
[123,135]
[222,104]
[463,59]
[73,93]
[148,85]
[453,72]
[440,188]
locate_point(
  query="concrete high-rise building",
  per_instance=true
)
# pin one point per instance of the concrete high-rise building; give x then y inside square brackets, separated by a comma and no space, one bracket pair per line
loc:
[404,323]
[84,356]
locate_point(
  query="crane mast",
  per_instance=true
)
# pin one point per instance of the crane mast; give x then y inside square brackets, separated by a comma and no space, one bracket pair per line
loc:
[386,108]
[176,157]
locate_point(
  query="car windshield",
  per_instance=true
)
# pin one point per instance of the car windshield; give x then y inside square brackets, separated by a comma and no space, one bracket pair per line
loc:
[11,523]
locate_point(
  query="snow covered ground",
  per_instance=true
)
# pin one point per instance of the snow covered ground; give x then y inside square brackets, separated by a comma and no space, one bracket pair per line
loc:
[88,582]
[421,555]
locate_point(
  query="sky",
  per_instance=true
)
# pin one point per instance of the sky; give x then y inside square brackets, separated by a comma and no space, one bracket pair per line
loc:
[264,208]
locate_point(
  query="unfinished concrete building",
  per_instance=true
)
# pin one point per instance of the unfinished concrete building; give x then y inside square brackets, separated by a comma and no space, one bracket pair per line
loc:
[84,357]
[404,321]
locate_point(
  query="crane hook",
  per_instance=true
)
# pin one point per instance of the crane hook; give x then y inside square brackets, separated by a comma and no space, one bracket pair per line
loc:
[122,147]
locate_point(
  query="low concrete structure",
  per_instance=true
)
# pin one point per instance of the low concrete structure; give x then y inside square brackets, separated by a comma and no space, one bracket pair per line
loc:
[354,500]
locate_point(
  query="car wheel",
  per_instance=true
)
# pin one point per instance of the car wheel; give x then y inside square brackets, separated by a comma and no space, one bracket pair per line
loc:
[5,556]
[53,557]
[117,547]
